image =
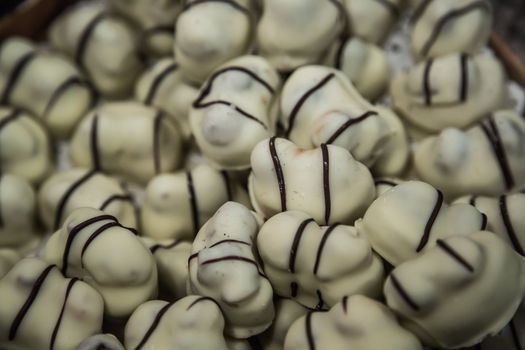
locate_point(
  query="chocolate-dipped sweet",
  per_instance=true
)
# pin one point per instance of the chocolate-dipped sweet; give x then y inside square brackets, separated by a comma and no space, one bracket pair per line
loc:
[45,83]
[68,190]
[455,90]
[100,342]
[8,259]
[447,26]
[177,205]
[236,108]
[223,266]
[486,159]
[42,310]
[104,45]
[458,292]
[127,139]
[292,33]
[327,183]
[93,245]
[411,217]
[320,105]
[317,266]
[25,146]
[356,322]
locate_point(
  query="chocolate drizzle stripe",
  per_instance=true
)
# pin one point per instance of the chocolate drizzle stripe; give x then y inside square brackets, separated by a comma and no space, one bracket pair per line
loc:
[93,236]
[15,75]
[11,117]
[236,108]
[320,302]
[157,81]
[326,234]
[495,142]
[472,200]
[158,246]
[86,36]
[509,228]
[61,89]
[309,334]
[340,52]
[477,5]
[278,172]
[385,182]
[420,10]
[65,197]
[430,222]
[193,256]
[235,241]
[455,255]
[427,89]
[297,107]
[201,299]
[93,142]
[394,10]
[193,203]
[295,244]
[232,3]
[231,258]
[463,91]
[326,183]
[153,326]
[156,142]
[344,303]
[294,288]
[59,320]
[403,293]
[115,198]
[33,294]
[227,184]
[515,335]
[484,222]
[348,124]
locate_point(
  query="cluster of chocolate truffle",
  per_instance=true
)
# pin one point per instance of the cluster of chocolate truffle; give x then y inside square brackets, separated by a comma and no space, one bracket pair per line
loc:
[212,174]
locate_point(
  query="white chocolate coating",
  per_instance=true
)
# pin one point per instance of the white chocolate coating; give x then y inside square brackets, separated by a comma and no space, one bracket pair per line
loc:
[487,159]
[224,266]
[46,310]
[455,90]
[317,266]
[162,86]
[8,259]
[460,291]
[45,83]
[356,323]
[236,108]
[192,323]
[292,33]
[104,45]
[327,183]
[127,139]
[447,26]
[209,33]
[100,342]
[68,190]
[25,146]
[177,205]
[409,218]
[93,246]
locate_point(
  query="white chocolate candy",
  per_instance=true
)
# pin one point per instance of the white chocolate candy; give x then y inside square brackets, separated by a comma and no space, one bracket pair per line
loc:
[177,205]
[320,105]
[25,146]
[315,265]
[209,33]
[100,342]
[487,159]
[356,323]
[447,26]
[326,182]
[236,108]
[104,45]
[44,83]
[43,310]
[68,190]
[409,218]
[192,323]
[292,33]
[8,259]
[93,246]
[127,139]
[460,291]
[224,266]
[456,90]
[162,86]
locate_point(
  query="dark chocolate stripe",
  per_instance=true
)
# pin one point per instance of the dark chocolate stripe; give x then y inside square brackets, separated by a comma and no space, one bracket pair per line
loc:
[153,326]
[420,10]
[93,142]
[59,321]
[297,107]
[348,124]
[29,301]
[403,293]
[15,74]
[430,222]
[340,52]
[201,299]
[427,89]
[227,184]
[320,302]
[344,302]
[65,197]
[156,142]
[326,183]
[230,258]
[295,244]
[61,89]
[236,108]
[492,133]
[463,86]
[193,256]
[93,236]
[229,241]
[326,234]
[11,117]
[385,183]
[232,3]
[157,81]
[278,172]
[394,10]
[472,200]
[86,36]
[455,255]
[193,203]
[294,288]
[114,198]
[515,335]
[484,222]
[158,246]
[507,221]
[309,334]
[477,5]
